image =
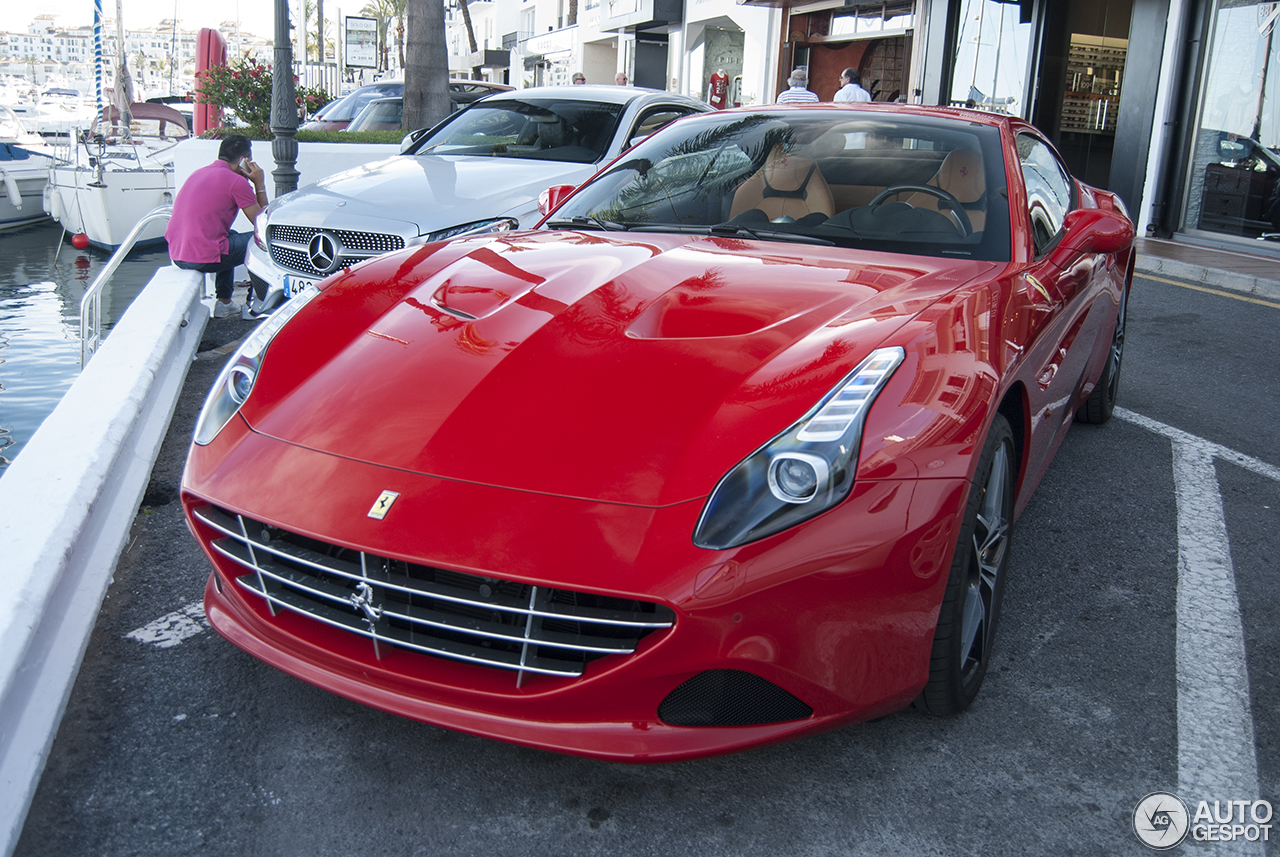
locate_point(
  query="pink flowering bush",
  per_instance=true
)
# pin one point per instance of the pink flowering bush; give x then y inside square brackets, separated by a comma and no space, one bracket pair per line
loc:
[245,87]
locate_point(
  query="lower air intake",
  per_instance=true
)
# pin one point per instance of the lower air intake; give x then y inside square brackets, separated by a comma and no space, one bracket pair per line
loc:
[730,698]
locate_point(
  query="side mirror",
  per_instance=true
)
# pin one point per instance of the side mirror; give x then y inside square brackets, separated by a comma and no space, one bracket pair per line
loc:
[1093,230]
[549,200]
[411,138]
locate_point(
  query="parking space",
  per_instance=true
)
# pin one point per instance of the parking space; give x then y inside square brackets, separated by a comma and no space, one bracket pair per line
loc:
[175,742]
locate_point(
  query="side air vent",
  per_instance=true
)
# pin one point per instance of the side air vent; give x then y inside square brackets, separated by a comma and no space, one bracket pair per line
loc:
[730,698]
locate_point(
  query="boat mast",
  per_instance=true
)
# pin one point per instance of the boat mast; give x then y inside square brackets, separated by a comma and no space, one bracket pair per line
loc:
[124,83]
[97,52]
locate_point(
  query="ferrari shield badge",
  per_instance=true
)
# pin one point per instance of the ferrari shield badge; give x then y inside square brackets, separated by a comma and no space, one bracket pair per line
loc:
[383,505]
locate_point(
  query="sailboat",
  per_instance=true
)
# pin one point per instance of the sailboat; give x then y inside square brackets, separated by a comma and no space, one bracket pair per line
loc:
[24,171]
[116,174]
[120,169]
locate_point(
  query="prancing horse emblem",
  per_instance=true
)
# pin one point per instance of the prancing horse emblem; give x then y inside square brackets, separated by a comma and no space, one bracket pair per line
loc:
[362,600]
[383,505]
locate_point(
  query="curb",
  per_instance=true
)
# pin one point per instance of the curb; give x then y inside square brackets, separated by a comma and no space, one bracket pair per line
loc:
[1216,277]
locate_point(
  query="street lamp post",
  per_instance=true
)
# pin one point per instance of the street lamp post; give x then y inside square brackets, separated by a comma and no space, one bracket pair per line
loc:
[284,106]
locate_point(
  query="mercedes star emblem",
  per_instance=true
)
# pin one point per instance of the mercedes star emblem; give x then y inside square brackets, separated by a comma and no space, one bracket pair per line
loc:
[323,252]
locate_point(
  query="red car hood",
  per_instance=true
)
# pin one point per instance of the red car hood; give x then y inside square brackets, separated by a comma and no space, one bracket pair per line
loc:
[630,368]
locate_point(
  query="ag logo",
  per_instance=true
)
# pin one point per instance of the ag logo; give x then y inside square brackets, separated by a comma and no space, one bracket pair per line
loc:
[1161,820]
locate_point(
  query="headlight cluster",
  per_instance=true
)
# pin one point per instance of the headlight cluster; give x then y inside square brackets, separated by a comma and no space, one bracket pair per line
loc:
[236,381]
[803,471]
[260,228]
[480,227]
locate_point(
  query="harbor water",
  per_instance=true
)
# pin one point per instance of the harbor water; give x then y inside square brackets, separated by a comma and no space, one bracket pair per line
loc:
[42,279]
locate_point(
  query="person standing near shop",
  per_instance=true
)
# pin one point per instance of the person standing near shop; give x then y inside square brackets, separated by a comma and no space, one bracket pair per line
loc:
[851,90]
[199,231]
[799,92]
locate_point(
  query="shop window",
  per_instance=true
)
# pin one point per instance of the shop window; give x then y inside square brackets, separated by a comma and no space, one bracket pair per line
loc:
[1234,183]
[993,57]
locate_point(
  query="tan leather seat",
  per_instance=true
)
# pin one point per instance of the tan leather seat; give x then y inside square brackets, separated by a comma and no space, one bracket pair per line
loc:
[785,186]
[961,176]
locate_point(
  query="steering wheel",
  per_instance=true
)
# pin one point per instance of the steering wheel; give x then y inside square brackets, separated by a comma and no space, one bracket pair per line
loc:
[959,215]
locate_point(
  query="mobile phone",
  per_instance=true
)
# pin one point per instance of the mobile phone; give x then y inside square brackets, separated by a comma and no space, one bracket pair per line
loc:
[244,165]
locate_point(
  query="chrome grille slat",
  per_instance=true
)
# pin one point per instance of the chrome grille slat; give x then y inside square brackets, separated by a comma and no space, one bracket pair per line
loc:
[351,571]
[461,616]
[397,637]
[416,615]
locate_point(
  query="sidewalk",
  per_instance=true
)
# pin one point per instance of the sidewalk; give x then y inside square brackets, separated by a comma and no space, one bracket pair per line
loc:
[1238,271]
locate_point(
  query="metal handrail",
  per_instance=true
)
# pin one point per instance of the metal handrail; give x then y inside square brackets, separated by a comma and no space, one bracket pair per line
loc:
[91,303]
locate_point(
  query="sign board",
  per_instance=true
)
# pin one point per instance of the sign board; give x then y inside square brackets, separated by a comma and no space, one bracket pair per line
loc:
[362,42]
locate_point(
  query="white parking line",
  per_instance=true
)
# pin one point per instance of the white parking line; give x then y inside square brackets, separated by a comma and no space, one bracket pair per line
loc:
[1217,759]
[168,631]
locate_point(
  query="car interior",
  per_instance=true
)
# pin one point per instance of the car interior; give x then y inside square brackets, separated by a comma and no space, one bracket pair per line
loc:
[904,184]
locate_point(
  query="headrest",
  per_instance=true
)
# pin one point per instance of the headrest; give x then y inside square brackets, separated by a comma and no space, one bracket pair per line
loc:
[961,175]
[785,171]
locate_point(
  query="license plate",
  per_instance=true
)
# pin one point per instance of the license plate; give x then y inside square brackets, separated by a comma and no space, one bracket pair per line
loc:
[294,285]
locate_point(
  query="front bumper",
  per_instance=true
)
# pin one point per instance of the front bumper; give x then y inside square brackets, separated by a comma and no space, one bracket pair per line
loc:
[840,617]
[280,284]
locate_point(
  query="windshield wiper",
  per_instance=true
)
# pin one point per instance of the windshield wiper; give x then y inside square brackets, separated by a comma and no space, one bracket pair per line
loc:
[728,230]
[580,221]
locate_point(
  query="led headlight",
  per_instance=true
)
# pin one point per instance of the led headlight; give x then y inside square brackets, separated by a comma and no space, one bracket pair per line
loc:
[236,380]
[480,227]
[260,228]
[803,471]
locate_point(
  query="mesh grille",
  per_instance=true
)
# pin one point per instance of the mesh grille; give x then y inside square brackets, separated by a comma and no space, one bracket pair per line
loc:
[289,246]
[433,611]
[730,698]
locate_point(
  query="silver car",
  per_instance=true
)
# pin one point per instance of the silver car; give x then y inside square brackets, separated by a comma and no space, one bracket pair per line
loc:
[479,171]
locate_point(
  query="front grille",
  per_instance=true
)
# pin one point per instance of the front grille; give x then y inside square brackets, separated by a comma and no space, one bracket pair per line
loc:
[289,246]
[730,698]
[433,611]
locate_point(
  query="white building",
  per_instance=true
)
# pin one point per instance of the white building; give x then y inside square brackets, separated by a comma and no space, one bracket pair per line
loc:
[674,45]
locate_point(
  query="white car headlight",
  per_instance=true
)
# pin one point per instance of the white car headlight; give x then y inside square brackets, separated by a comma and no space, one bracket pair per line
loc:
[260,228]
[480,227]
[236,380]
[803,471]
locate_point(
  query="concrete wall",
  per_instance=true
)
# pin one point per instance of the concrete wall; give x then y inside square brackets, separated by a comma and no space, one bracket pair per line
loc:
[68,502]
[315,160]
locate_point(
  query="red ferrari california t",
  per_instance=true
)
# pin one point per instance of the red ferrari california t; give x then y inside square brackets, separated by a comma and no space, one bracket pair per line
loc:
[728,451]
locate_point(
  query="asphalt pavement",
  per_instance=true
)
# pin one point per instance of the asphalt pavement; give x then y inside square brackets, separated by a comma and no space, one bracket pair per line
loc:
[174,742]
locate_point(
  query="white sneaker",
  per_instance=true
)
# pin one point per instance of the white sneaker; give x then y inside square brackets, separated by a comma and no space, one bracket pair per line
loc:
[226,310]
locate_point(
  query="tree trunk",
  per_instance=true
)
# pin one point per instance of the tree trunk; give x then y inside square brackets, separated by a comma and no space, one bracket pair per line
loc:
[471,31]
[573,12]
[320,31]
[426,74]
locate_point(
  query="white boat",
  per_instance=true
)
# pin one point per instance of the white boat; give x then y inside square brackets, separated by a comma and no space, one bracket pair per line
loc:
[24,172]
[112,179]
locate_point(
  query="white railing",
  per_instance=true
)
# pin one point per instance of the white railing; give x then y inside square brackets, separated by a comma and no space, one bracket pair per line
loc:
[91,303]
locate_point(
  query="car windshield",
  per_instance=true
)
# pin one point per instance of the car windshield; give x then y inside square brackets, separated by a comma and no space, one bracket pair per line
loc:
[868,179]
[348,106]
[382,114]
[550,129]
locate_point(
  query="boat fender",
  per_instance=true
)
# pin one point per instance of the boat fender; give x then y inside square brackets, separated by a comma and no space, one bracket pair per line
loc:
[11,188]
[53,204]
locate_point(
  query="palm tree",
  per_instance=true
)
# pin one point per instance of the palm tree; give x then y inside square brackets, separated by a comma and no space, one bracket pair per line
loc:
[426,77]
[384,12]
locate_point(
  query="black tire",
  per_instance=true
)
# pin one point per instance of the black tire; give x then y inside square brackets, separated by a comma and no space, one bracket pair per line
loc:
[971,604]
[1097,409]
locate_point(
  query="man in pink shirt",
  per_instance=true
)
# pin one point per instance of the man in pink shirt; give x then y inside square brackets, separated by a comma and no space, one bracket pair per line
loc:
[199,232]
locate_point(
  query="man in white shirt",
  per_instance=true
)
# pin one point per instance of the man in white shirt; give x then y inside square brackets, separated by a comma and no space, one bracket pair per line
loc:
[850,87]
[798,93]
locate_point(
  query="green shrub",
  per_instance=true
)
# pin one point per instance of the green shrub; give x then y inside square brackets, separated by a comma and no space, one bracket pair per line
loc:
[245,88]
